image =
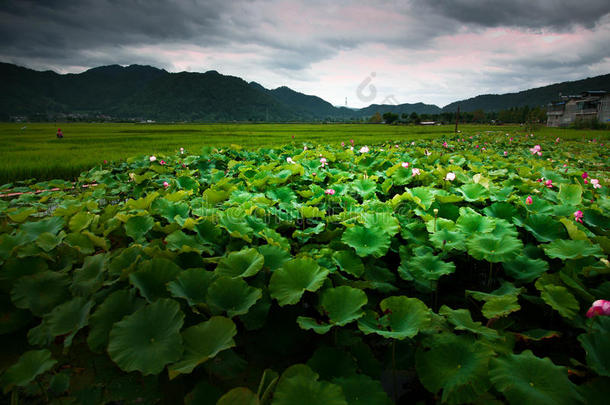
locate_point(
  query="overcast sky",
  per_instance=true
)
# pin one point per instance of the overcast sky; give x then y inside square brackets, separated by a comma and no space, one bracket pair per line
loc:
[433,51]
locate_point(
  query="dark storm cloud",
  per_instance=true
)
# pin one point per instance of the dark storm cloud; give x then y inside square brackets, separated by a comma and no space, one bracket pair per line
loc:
[536,14]
[63,29]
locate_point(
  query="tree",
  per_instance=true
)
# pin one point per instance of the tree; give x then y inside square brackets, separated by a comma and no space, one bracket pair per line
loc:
[376,119]
[414,118]
[390,118]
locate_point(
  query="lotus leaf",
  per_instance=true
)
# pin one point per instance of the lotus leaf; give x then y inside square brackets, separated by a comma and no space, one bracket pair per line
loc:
[348,262]
[544,228]
[299,385]
[471,223]
[462,320]
[382,220]
[331,362]
[494,249]
[89,278]
[152,278]
[274,256]
[427,266]
[343,304]
[362,390]
[500,302]
[404,318]
[232,295]
[117,305]
[192,285]
[570,194]
[239,396]
[148,339]
[245,263]
[525,269]
[29,366]
[68,318]
[473,192]
[572,249]
[202,342]
[309,323]
[40,292]
[367,241]
[559,298]
[137,227]
[457,365]
[448,240]
[524,379]
[289,282]
[597,346]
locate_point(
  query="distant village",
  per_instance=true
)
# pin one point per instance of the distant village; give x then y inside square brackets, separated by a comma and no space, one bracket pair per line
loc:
[589,106]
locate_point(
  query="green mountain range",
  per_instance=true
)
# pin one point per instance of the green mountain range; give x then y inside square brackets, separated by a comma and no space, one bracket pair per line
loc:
[143,92]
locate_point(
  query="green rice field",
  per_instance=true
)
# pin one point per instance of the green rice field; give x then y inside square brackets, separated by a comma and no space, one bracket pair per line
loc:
[32,151]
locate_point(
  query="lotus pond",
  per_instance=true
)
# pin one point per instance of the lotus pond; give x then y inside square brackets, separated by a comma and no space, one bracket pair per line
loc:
[457,270]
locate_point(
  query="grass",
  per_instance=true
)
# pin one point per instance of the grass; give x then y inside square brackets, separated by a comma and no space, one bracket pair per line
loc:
[31,151]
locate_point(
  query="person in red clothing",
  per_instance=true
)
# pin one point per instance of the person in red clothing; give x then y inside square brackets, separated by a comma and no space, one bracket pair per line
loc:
[59,133]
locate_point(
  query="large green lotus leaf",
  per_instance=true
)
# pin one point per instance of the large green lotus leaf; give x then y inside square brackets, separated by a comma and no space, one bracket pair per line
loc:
[169,210]
[365,187]
[89,278]
[343,304]
[572,249]
[559,298]
[29,366]
[244,263]
[469,224]
[289,282]
[428,266]
[117,305]
[458,365]
[202,342]
[181,242]
[51,225]
[404,318]
[362,390]
[232,295]
[299,385]
[349,262]
[502,210]
[47,241]
[192,285]
[494,249]
[40,292]
[525,269]
[423,196]
[575,230]
[137,227]
[438,224]
[239,396]
[309,323]
[68,318]
[527,379]
[236,226]
[80,221]
[473,192]
[597,346]
[570,194]
[282,194]
[187,183]
[367,241]
[331,362]
[80,242]
[20,214]
[382,220]
[445,197]
[208,231]
[462,320]
[274,256]
[544,228]
[152,278]
[141,203]
[596,391]
[500,302]
[447,240]
[148,339]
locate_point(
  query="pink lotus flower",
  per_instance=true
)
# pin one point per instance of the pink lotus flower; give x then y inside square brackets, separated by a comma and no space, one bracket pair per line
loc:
[445,144]
[586,181]
[599,307]
[450,176]
[364,149]
[304,147]
[549,183]
[578,216]
[329,191]
[289,160]
[351,148]
[595,183]
[162,162]
[342,144]
[405,164]
[585,175]
[105,162]
[536,150]
[396,146]
[529,200]
[351,141]
[165,184]
[152,158]
[323,161]
[415,172]
[505,153]
[556,140]
[181,151]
